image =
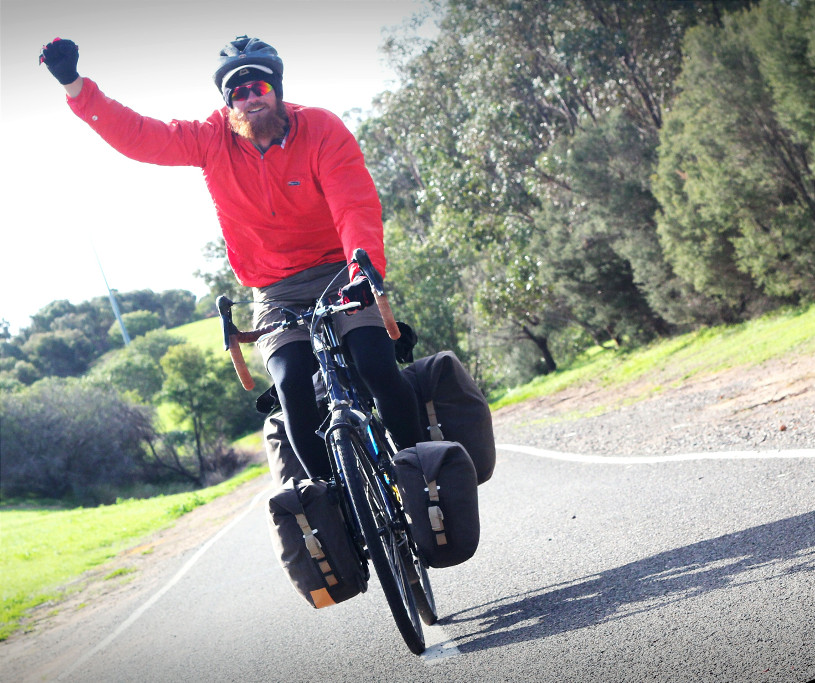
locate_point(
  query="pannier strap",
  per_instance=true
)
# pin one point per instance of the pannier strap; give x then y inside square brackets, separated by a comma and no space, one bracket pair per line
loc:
[435,427]
[315,549]
[435,513]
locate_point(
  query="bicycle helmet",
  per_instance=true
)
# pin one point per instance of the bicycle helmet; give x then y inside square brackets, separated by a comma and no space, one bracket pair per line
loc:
[246,52]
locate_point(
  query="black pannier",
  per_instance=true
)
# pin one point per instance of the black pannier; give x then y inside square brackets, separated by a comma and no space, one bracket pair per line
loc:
[453,408]
[312,543]
[283,462]
[439,489]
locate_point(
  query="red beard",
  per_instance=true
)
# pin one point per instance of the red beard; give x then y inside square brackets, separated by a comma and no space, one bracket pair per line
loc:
[268,124]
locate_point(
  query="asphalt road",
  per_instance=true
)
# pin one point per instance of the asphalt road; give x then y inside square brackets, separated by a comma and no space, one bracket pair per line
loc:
[691,570]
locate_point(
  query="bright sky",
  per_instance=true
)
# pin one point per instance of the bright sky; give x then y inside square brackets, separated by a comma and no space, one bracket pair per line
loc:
[64,192]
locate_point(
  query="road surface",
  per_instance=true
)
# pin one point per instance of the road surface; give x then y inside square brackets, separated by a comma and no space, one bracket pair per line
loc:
[589,569]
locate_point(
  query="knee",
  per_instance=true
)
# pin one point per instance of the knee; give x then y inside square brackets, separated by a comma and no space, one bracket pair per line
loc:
[291,369]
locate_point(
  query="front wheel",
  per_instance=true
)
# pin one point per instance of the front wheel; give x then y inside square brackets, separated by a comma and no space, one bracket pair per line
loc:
[385,541]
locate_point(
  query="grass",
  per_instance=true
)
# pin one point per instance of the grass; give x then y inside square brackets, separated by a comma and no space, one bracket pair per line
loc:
[672,361]
[251,442]
[45,548]
[205,334]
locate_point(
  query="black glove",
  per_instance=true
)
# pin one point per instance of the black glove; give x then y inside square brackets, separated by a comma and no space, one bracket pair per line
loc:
[404,345]
[61,57]
[358,290]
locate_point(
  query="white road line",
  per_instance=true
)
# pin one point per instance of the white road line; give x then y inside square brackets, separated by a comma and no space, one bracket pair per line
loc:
[647,460]
[439,646]
[172,582]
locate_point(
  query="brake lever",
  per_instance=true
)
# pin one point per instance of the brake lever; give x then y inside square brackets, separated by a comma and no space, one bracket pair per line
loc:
[231,344]
[224,306]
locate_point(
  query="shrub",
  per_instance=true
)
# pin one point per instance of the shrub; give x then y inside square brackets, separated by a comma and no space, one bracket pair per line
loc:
[69,438]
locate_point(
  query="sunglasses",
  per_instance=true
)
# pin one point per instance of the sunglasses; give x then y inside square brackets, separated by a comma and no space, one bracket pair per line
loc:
[242,92]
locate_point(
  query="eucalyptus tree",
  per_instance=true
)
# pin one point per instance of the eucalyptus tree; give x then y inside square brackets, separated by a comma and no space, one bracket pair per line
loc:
[523,131]
[735,179]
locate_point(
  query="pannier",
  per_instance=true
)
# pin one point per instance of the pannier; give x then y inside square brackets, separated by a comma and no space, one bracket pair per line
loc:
[453,408]
[311,541]
[439,489]
[284,464]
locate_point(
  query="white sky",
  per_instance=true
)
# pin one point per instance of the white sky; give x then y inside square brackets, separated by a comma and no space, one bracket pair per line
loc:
[64,192]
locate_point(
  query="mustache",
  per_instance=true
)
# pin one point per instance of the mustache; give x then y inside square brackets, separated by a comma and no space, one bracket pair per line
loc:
[242,115]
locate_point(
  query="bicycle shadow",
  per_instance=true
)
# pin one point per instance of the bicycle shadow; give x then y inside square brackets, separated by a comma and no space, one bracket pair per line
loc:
[641,586]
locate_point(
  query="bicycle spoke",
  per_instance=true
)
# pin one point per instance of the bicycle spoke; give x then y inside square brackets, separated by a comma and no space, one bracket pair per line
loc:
[380,535]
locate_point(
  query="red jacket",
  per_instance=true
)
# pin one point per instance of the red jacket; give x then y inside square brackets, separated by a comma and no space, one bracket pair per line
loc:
[305,204]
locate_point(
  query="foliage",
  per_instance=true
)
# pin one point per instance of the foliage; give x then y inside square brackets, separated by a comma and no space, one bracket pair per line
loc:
[69,438]
[205,395]
[137,324]
[735,179]
[521,144]
[62,353]
[135,370]
[65,339]
[220,279]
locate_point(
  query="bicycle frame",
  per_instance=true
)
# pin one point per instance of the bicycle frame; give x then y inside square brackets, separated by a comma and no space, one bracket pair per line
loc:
[348,409]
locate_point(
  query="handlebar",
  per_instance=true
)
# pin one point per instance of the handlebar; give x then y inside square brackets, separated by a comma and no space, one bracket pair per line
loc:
[232,341]
[378,288]
[233,337]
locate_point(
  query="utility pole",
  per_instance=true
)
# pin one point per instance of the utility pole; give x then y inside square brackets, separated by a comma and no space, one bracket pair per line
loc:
[113,304]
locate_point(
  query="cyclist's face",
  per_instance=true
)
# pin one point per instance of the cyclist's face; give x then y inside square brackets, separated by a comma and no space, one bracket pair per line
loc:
[255,105]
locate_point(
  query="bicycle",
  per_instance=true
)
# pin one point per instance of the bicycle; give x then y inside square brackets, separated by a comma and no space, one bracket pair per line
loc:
[361,455]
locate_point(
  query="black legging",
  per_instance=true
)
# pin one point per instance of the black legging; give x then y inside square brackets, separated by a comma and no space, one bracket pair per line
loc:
[372,351]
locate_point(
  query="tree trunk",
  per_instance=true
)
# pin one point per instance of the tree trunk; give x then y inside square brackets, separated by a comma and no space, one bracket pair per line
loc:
[542,342]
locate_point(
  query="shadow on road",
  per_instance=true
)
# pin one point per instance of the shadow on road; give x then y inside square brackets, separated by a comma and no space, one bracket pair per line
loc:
[644,585]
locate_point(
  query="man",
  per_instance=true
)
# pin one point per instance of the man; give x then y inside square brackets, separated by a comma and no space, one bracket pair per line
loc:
[294,199]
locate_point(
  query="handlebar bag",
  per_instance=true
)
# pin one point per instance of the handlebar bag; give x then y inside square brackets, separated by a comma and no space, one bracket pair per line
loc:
[453,408]
[312,543]
[439,489]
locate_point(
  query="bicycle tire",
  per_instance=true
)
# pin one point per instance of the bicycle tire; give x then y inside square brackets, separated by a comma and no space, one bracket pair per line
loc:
[381,541]
[419,580]
[423,594]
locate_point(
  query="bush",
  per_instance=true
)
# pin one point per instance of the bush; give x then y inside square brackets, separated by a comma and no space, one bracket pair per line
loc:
[68,438]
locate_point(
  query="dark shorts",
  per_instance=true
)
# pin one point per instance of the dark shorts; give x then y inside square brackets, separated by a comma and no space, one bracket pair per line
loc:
[299,291]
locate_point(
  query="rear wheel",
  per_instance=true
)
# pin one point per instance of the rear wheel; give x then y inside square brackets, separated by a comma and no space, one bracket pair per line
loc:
[387,543]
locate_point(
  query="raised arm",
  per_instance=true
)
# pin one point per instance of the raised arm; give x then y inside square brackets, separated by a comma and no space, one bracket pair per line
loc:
[178,143]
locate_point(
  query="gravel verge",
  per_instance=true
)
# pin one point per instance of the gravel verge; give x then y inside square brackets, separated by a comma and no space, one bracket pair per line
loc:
[767,407]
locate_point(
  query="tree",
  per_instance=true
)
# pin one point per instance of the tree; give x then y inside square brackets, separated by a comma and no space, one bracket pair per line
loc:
[137,324]
[63,353]
[536,135]
[221,280]
[178,307]
[735,183]
[205,393]
[136,369]
[71,438]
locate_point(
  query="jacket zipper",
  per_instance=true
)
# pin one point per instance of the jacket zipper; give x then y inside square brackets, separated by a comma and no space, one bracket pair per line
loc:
[267,185]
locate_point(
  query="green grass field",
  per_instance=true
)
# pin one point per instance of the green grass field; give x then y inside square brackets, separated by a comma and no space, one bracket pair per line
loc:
[205,334]
[44,548]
